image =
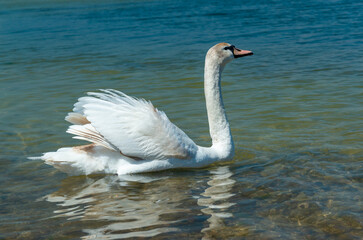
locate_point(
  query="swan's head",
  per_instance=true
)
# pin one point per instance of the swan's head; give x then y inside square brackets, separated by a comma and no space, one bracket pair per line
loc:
[223,53]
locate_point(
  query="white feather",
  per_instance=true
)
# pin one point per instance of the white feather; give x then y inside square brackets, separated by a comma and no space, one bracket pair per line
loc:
[88,133]
[135,126]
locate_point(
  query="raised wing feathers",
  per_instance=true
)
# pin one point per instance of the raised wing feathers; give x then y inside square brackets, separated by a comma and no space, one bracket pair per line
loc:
[88,133]
[134,126]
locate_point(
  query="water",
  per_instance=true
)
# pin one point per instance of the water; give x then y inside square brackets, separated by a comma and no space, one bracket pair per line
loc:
[295,108]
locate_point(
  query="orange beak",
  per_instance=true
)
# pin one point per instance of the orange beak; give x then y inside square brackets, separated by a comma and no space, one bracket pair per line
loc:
[237,53]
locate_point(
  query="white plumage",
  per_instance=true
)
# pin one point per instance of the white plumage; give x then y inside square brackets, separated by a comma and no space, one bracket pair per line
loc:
[130,135]
[131,126]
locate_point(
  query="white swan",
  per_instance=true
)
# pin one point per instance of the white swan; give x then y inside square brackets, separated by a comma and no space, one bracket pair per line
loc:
[130,135]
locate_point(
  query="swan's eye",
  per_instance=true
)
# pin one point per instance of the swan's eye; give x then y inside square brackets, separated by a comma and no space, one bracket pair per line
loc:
[229,48]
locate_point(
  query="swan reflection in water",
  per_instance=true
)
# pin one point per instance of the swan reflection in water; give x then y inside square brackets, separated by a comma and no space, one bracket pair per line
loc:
[216,200]
[145,205]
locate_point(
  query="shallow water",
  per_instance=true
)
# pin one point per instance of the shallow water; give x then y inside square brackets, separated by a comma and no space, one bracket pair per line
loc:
[295,109]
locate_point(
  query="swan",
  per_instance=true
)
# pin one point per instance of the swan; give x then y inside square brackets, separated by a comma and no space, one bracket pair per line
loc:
[129,135]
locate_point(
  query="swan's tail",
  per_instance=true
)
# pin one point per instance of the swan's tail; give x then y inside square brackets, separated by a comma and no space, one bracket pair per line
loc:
[81,160]
[35,158]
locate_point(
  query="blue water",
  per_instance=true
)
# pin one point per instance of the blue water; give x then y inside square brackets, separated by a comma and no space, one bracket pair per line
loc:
[295,108]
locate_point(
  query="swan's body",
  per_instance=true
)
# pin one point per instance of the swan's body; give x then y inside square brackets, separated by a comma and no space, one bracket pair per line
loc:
[130,135]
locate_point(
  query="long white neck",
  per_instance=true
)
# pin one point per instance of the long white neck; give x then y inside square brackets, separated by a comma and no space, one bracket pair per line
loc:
[218,124]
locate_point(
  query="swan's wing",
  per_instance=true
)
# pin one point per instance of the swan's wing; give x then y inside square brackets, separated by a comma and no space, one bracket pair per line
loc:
[133,126]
